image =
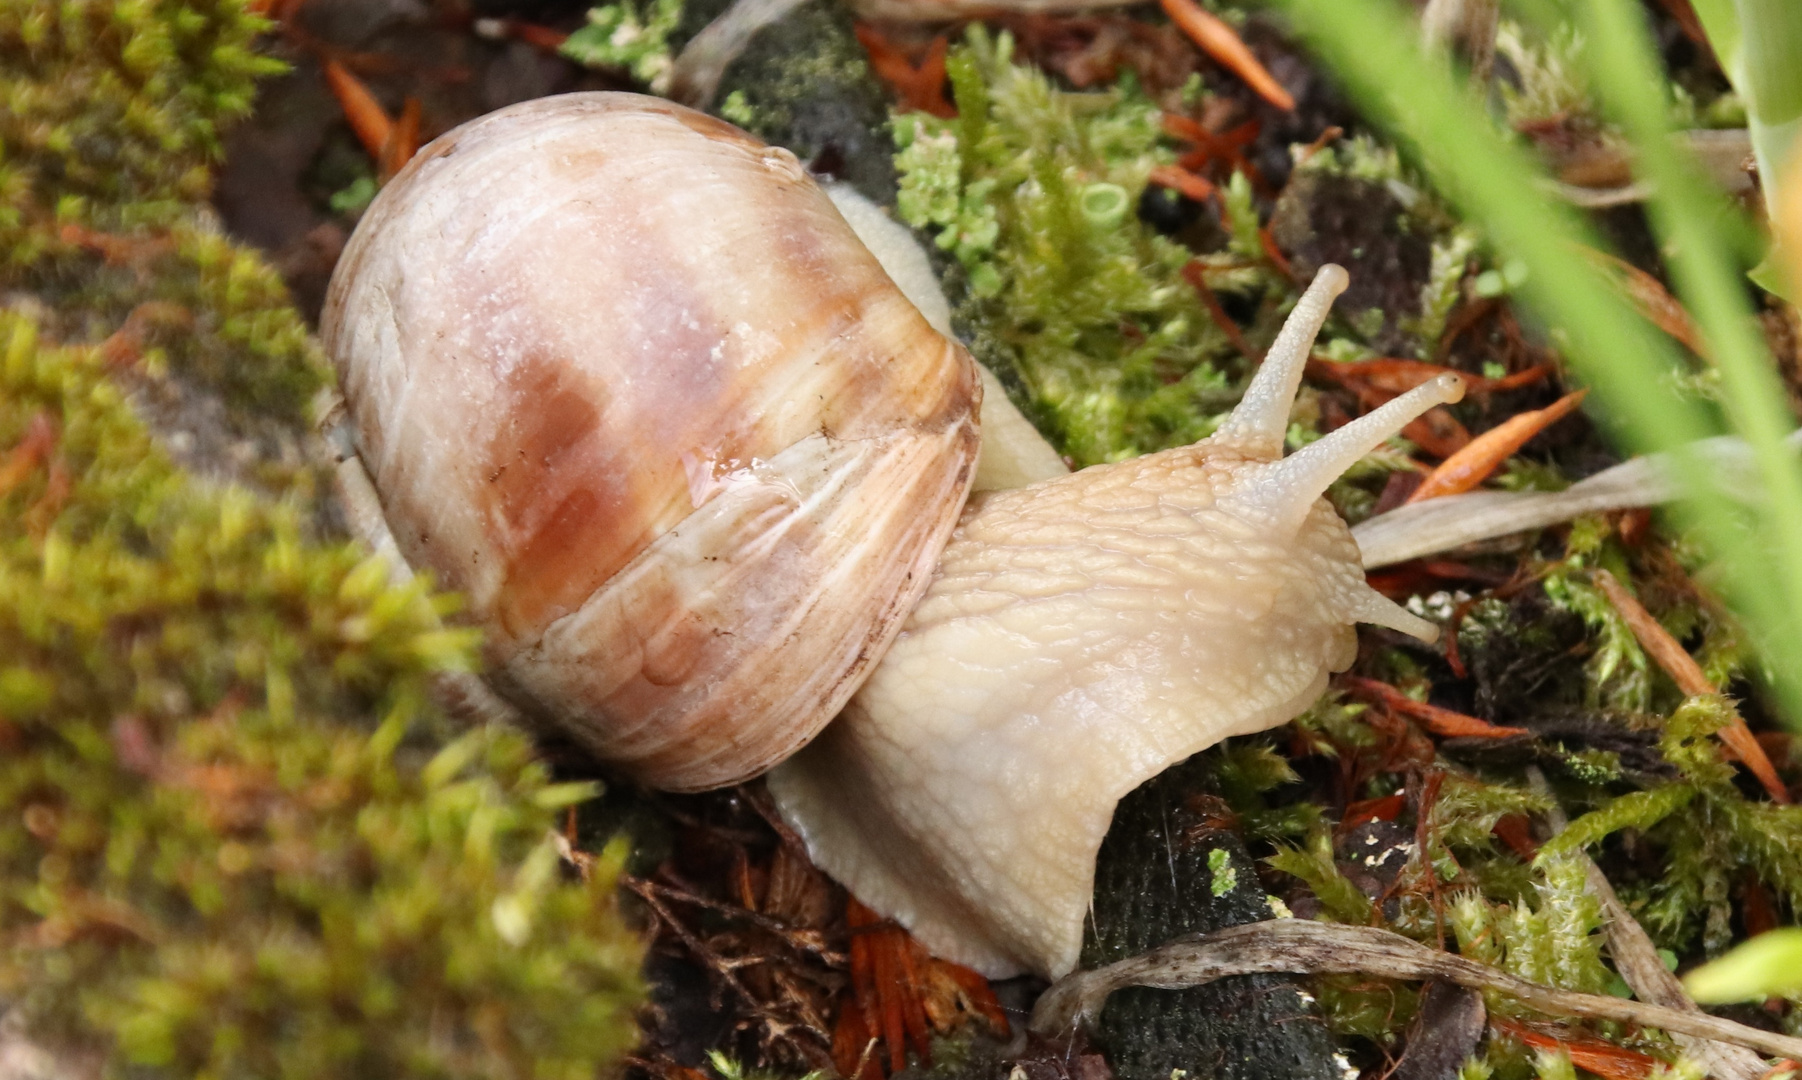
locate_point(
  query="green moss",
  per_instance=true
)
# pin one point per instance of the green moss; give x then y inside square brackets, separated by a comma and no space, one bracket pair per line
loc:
[1554,939]
[1312,862]
[112,109]
[111,126]
[1620,675]
[232,844]
[1030,189]
[235,840]
[620,35]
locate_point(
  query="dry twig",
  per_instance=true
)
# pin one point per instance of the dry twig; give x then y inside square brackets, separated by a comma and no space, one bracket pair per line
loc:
[1311,948]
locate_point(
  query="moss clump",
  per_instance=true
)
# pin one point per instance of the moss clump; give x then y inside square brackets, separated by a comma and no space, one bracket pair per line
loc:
[619,36]
[804,82]
[112,120]
[235,841]
[206,861]
[1034,191]
[113,109]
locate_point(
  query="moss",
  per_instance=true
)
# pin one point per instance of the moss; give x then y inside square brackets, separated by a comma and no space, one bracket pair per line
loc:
[235,840]
[804,82]
[1619,672]
[621,36]
[112,109]
[112,124]
[233,844]
[1085,306]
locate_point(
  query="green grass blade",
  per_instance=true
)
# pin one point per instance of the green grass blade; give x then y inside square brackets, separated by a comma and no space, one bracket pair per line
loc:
[1371,46]
[1708,278]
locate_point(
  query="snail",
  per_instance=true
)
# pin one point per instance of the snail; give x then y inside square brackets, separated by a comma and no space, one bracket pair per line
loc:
[625,378]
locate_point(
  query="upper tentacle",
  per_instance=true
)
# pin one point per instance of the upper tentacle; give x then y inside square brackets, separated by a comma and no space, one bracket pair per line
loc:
[1257,426]
[1283,492]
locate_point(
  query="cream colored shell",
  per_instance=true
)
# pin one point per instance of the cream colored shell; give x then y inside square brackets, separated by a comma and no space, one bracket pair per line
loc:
[1080,636]
[625,379]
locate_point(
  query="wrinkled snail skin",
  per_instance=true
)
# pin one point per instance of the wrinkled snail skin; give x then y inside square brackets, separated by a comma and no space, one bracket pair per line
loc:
[624,379]
[1080,636]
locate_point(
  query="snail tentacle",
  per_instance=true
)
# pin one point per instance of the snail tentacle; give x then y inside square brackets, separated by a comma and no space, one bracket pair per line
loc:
[1284,492]
[1260,421]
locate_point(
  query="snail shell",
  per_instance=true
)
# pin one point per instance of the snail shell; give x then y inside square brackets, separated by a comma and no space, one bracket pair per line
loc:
[624,378]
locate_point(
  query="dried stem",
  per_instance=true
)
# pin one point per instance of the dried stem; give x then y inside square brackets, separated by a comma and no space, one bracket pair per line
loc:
[1640,966]
[1296,945]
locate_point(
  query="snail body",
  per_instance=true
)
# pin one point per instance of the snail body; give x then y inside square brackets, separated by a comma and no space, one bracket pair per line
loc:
[1112,622]
[627,380]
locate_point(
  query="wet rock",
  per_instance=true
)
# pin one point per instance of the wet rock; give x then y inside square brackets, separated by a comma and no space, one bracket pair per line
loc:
[1170,867]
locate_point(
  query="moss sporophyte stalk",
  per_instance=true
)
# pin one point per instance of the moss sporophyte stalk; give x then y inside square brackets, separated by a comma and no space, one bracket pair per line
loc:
[236,840]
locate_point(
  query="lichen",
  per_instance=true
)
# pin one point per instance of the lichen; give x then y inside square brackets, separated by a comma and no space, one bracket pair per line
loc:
[236,840]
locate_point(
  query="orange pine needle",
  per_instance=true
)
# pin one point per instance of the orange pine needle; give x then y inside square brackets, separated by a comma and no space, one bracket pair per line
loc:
[1383,808]
[1604,1059]
[1394,375]
[403,141]
[1196,275]
[1442,722]
[1691,679]
[1219,41]
[1514,830]
[1470,466]
[1180,179]
[853,1047]
[899,995]
[539,37]
[367,118]
[1653,300]
[919,88]
[277,11]
[1377,381]
[1275,254]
